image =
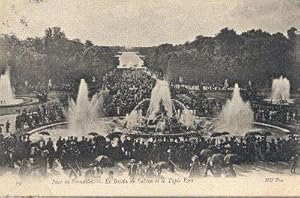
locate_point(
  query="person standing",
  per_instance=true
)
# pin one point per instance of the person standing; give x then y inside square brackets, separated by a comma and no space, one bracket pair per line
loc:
[294,160]
[132,168]
[43,163]
[195,167]
[73,162]
[51,156]
[1,135]
[7,125]
[150,171]
[25,169]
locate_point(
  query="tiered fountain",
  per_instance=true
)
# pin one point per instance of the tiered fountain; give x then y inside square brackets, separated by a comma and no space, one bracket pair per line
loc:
[281,91]
[163,115]
[7,97]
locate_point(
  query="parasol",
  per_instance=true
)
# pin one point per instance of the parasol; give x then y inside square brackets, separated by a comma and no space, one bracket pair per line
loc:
[100,139]
[44,133]
[258,133]
[114,135]
[254,133]
[219,134]
[93,134]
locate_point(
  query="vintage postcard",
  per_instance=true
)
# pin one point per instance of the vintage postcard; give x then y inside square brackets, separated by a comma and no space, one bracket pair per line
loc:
[149,98]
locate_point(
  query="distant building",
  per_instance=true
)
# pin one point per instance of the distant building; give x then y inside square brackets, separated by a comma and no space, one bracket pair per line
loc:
[130,60]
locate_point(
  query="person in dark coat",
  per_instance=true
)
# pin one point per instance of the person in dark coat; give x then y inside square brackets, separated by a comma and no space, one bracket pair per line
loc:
[51,156]
[59,147]
[132,168]
[25,169]
[195,167]
[7,126]
[73,162]
[43,163]
[294,160]
[150,171]
[1,135]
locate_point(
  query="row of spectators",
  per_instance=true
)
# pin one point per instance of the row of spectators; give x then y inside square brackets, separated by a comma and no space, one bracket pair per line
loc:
[275,113]
[27,88]
[74,153]
[47,113]
[127,88]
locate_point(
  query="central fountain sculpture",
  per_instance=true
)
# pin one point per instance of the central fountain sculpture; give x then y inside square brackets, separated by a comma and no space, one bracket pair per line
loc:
[160,95]
[280,90]
[236,116]
[7,96]
[162,114]
[84,114]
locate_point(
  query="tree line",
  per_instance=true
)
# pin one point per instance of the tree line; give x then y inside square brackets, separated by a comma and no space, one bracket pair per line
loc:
[54,57]
[253,55]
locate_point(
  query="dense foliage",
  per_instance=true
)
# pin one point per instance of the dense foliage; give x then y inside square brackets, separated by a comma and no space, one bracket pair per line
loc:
[55,57]
[253,55]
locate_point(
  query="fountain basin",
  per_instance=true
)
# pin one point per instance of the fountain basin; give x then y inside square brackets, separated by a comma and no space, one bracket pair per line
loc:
[278,102]
[61,129]
[20,101]
[12,102]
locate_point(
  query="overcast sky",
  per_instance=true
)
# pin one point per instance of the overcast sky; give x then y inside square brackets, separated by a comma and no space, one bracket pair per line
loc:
[145,22]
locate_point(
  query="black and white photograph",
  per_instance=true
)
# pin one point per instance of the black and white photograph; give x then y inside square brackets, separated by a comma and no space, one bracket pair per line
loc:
[149,97]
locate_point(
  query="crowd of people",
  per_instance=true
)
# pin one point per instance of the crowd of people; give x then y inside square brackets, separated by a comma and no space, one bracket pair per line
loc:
[127,88]
[47,113]
[178,153]
[275,113]
[201,106]
[27,88]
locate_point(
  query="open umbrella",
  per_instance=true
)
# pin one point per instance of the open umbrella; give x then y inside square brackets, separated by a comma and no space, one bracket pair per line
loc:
[93,134]
[254,133]
[219,134]
[259,133]
[114,135]
[44,133]
[132,161]
[100,139]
